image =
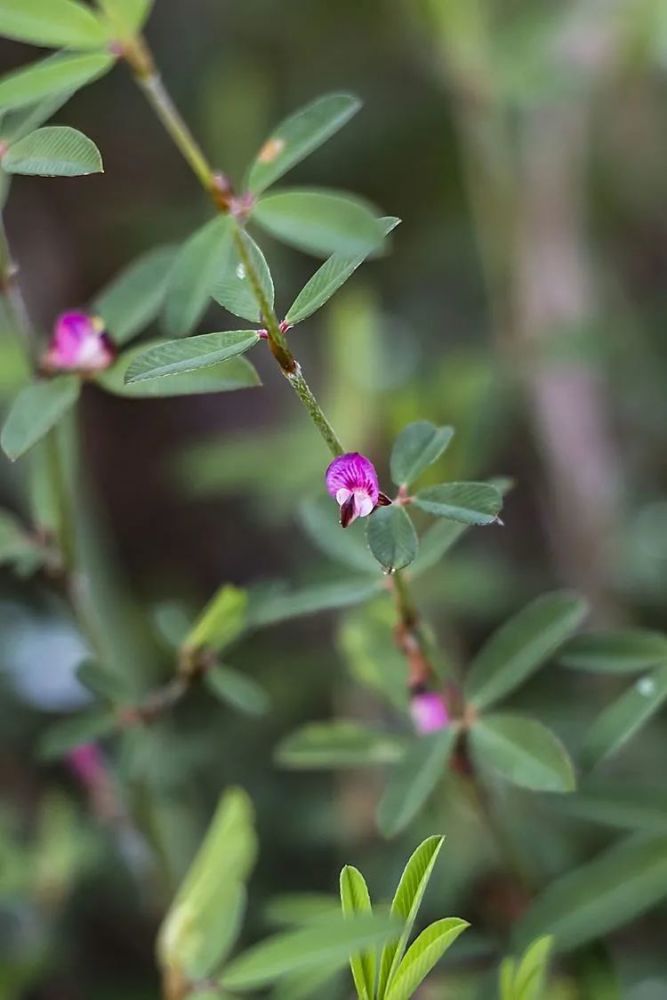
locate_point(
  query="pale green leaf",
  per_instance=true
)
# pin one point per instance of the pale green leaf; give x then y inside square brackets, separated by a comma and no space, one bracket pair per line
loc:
[52,23]
[391,537]
[405,905]
[422,955]
[235,689]
[53,151]
[194,273]
[335,940]
[355,899]
[50,77]
[522,645]
[299,135]
[423,766]
[603,894]
[469,503]
[226,376]
[324,745]
[328,279]
[523,752]
[620,652]
[239,290]
[36,409]
[176,357]
[127,16]
[320,222]
[530,976]
[272,608]
[134,298]
[221,622]
[416,447]
[619,722]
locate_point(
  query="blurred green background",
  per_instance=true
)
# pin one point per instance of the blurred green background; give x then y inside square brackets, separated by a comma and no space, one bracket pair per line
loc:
[523,144]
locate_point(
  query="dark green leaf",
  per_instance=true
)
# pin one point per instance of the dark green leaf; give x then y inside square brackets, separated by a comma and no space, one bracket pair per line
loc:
[53,151]
[278,607]
[616,652]
[64,736]
[469,503]
[337,744]
[135,297]
[320,222]
[523,752]
[335,940]
[391,537]
[102,682]
[37,409]
[422,956]
[53,23]
[411,783]
[194,273]
[237,690]
[354,900]
[226,376]
[221,622]
[522,645]
[299,135]
[233,287]
[628,807]
[328,279]
[52,76]
[416,447]
[175,357]
[624,717]
[602,895]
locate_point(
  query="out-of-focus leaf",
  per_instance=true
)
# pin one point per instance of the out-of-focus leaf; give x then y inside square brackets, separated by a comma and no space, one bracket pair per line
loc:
[337,744]
[296,909]
[194,273]
[53,151]
[36,409]
[525,980]
[237,690]
[367,640]
[226,376]
[422,956]
[391,537]
[416,447]
[355,899]
[522,645]
[602,895]
[523,752]
[17,124]
[328,279]
[52,23]
[305,983]
[101,682]
[628,807]
[405,906]
[203,921]
[222,620]
[413,780]
[175,357]
[234,289]
[272,608]
[135,297]
[299,135]
[335,940]
[615,652]
[128,16]
[469,503]
[50,77]
[436,541]
[624,717]
[349,546]
[320,222]
[16,545]
[68,734]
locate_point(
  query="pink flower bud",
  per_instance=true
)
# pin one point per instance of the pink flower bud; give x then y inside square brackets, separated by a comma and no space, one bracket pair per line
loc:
[87,763]
[429,712]
[353,481]
[79,343]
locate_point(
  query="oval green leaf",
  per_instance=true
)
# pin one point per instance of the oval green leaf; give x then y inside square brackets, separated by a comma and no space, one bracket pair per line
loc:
[391,537]
[619,722]
[320,222]
[37,409]
[175,357]
[337,744]
[236,690]
[277,607]
[422,955]
[68,734]
[227,376]
[468,503]
[221,622]
[299,135]
[416,447]
[53,151]
[55,75]
[194,273]
[523,752]
[135,297]
[249,298]
[522,645]
[622,652]
[411,783]
[355,899]
[52,23]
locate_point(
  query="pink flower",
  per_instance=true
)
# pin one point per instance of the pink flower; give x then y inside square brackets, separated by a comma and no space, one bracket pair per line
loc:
[79,343]
[87,763]
[353,481]
[429,712]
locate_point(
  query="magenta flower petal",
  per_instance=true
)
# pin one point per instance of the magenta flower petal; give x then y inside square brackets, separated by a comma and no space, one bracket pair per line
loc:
[429,712]
[79,343]
[353,481]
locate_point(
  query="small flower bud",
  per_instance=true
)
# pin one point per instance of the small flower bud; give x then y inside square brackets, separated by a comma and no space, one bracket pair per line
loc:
[429,712]
[353,481]
[80,344]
